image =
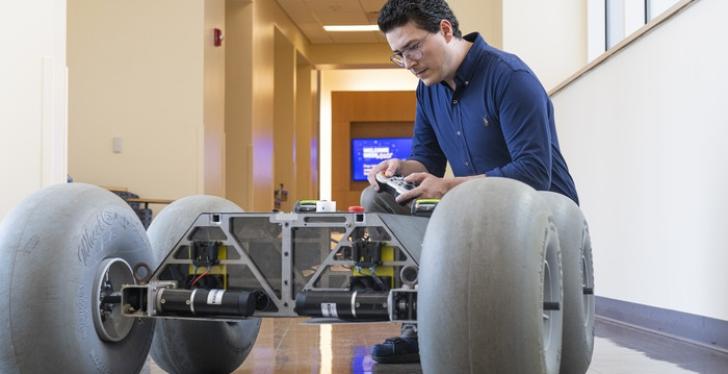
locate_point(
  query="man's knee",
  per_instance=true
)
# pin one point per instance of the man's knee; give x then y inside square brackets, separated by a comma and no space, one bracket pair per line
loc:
[368,199]
[374,201]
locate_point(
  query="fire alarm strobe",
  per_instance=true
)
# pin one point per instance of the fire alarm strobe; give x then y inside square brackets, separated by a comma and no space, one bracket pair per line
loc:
[217,37]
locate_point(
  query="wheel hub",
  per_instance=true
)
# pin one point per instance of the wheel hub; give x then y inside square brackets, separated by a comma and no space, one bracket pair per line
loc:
[552,308]
[110,324]
[586,284]
[547,314]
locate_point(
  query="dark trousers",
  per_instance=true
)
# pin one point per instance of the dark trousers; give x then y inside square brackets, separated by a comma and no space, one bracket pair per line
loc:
[383,202]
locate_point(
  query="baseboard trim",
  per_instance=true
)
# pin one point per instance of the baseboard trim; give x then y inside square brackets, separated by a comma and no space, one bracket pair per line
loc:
[694,329]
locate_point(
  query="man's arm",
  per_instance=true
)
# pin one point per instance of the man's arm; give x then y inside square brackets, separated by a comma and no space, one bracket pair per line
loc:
[408,167]
[425,148]
[524,116]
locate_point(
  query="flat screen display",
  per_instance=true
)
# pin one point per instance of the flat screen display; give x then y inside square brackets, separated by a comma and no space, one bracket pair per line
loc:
[368,152]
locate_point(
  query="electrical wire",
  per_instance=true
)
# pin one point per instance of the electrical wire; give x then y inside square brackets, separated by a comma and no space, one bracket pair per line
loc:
[199,277]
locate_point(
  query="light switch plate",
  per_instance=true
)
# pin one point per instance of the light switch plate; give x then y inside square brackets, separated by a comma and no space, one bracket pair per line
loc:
[117,144]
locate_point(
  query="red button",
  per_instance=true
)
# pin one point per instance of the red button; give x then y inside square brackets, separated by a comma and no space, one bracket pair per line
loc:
[356,209]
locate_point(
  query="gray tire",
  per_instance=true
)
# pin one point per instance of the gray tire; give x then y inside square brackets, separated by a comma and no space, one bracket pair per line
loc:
[196,346]
[51,249]
[490,257]
[576,255]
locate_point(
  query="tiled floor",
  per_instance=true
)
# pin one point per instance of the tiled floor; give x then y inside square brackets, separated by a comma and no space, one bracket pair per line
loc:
[293,346]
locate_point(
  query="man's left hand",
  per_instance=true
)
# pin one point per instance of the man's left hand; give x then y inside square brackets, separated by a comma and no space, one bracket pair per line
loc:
[429,187]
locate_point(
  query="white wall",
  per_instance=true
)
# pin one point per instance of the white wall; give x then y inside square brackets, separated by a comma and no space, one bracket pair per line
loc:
[645,137]
[596,29]
[351,80]
[33,96]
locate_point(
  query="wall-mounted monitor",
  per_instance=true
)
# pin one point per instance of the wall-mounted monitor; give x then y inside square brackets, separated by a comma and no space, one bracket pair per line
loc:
[368,152]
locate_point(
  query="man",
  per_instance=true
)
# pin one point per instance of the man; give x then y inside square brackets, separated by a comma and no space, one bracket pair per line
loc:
[479,108]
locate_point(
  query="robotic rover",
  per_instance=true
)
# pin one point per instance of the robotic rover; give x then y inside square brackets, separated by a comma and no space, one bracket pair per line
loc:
[499,280]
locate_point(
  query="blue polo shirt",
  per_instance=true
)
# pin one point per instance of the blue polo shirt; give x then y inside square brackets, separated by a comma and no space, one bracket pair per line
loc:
[498,122]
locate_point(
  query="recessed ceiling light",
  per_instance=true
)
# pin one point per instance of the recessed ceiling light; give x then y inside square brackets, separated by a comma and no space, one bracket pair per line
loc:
[351,28]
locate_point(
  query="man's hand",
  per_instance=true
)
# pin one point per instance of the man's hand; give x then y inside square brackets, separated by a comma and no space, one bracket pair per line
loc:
[429,187]
[389,167]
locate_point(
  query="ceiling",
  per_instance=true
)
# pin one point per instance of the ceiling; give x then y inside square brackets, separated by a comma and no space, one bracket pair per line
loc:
[311,15]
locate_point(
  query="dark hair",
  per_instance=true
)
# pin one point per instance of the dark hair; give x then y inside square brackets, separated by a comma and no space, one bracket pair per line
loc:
[426,14]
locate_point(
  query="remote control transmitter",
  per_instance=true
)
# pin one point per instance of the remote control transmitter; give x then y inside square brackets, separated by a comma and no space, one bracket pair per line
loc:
[395,185]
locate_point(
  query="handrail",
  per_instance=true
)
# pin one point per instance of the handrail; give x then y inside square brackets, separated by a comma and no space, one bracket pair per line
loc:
[675,9]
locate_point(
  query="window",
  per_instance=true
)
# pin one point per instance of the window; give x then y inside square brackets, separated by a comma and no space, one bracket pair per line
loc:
[656,7]
[610,21]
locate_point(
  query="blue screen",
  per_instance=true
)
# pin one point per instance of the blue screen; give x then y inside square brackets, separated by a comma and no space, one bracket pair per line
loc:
[368,152]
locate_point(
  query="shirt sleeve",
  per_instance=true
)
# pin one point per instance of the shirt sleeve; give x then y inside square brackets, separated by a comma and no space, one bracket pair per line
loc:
[524,119]
[425,147]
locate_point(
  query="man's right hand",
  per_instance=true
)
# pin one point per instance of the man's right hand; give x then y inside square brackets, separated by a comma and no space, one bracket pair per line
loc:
[389,167]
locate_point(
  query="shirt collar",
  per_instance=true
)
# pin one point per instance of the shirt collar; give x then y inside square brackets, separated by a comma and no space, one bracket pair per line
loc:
[467,68]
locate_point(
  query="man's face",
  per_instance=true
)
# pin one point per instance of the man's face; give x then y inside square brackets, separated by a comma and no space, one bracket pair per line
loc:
[421,52]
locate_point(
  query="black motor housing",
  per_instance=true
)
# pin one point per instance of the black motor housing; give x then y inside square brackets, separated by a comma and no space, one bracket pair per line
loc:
[345,305]
[201,302]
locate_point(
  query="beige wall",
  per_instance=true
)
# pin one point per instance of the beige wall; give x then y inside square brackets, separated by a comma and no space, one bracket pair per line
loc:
[484,16]
[136,72]
[284,118]
[550,36]
[33,97]
[267,17]
[250,161]
[307,137]
[238,101]
[214,100]
[193,118]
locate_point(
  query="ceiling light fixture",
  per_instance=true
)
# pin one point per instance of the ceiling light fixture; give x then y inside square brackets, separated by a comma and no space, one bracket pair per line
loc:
[351,28]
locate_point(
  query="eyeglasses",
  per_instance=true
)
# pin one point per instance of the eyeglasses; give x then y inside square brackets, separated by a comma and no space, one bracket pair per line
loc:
[412,53]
